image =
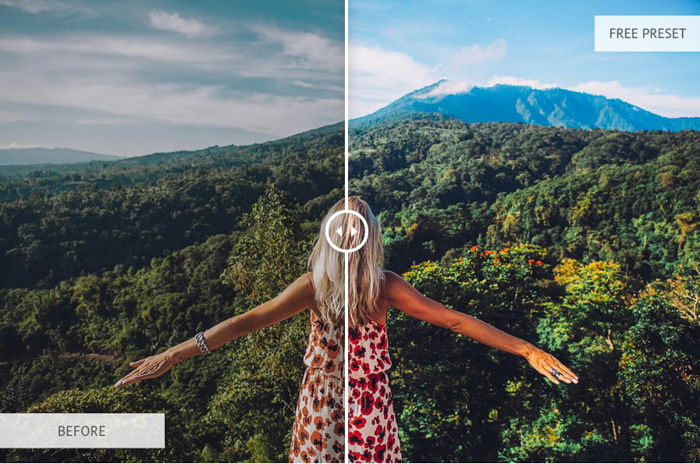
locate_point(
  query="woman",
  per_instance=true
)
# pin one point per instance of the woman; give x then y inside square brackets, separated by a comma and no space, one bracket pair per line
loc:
[318,434]
[372,430]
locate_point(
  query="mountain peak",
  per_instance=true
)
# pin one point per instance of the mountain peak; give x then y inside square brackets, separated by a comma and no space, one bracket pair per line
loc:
[551,106]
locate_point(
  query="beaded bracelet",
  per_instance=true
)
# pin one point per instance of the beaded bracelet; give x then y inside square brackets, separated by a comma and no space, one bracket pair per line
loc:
[199,338]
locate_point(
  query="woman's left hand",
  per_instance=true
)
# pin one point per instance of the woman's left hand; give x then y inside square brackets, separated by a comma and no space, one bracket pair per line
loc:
[147,368]
[550,367]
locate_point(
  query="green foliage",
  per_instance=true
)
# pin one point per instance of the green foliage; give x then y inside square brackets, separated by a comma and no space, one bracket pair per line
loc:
[615,211]
[61,347]
[111,400]
[624,213]
[267,257]
[587,245]
[63,222]
[449,390]
[266,366]
[635,353]
[631,198]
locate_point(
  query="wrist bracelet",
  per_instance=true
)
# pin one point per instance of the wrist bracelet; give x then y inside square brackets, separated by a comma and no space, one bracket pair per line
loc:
[199,338]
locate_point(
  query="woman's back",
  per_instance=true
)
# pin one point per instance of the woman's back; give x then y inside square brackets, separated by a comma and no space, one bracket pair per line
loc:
[325,347]
[369,349]
[373,433]
[319,425]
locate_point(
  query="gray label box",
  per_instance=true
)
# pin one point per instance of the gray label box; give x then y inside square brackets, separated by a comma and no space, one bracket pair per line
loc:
[98,430]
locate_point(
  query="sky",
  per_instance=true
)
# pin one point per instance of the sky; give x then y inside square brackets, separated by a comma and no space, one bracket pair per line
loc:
[397,46]
[134,77]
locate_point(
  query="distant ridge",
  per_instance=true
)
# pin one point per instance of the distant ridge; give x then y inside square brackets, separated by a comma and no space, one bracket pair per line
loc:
[24,156]
[520,104]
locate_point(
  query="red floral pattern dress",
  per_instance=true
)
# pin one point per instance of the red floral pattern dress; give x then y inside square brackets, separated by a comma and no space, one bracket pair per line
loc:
[373,433]
[318,434]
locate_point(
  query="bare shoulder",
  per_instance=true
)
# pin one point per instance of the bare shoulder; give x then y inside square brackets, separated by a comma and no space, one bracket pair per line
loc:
[390,277]
[305,283]
[306,278]
[405,297]
[393,283]
[302,289]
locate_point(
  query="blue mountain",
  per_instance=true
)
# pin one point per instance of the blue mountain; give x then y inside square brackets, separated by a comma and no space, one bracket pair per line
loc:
[22,156]
[521,104]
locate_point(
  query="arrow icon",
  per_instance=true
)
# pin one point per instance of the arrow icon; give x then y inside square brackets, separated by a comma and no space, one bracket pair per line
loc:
[353,231]
[357,232]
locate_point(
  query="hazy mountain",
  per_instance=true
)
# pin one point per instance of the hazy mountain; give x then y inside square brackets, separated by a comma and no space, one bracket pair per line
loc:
[49,155]
[544,107]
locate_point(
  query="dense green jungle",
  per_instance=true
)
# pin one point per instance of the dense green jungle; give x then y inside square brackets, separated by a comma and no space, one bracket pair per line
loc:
[584,242]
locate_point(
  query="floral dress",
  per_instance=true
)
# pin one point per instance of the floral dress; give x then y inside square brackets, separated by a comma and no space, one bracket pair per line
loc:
[318,434]
[373,433]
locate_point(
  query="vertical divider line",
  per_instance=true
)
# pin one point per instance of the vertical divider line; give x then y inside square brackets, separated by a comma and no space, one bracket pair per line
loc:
[346,157]
[346,373]
[347,105]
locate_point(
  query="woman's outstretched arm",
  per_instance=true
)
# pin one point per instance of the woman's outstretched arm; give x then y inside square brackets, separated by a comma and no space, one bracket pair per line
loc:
[293,300]
[406,298]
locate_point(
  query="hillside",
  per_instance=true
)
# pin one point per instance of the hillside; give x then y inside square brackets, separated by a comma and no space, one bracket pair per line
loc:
[106,261]
[37,155]
[85,218]
[520,104]
[19,181]
[441,183]
[585,242]
[582,241]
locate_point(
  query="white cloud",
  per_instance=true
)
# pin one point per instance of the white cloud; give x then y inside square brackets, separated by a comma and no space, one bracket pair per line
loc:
[83,52]
[311,49]
[118,81]
[512,80]
[40,6]
[321,86]
[648,98]
[176,23]
[12,116]
[30,6]
[305,85]
[378,76]
[472,55]
[15,145]
[134,47]
[244,85]
[449,88]
[197,106]
[651,99]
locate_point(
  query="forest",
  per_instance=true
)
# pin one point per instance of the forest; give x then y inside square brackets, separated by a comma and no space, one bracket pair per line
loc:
[103,263]
[584,242]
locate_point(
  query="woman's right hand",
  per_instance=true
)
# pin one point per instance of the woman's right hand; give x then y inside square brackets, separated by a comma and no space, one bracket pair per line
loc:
[549,366]
[147,368]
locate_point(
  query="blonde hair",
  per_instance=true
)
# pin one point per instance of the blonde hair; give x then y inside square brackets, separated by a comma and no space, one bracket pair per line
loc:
[366,277]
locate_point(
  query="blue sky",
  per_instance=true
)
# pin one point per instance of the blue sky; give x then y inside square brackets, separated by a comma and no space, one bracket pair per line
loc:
[135,77]
[400,45]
